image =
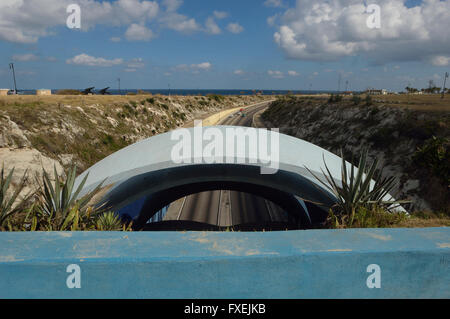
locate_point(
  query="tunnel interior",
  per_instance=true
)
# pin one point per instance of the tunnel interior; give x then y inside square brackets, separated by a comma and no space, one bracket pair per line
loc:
[222,205]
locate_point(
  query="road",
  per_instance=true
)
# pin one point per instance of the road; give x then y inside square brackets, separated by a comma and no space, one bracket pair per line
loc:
[226,208]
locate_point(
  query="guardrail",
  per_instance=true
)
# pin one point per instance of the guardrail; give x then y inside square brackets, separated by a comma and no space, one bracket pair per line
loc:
[360,263]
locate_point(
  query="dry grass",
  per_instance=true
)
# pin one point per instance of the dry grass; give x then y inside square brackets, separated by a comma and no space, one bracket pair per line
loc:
[70,99]
[415,222]
[425,102]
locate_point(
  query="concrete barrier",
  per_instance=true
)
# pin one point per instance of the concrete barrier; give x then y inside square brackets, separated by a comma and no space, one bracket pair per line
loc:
[216,118]
[369,263]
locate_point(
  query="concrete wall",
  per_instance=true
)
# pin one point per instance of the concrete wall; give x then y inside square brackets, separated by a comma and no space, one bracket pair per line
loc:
[403,263]
[43,92]
[4,92]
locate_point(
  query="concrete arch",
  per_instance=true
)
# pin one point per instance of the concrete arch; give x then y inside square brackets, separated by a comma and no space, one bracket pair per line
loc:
[147,167]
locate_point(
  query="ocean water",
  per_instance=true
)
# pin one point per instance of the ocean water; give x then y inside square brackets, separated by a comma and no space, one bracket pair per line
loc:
[197,92]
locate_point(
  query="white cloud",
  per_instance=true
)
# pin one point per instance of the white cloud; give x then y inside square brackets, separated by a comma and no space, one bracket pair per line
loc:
[272,20]
[440,60]
[293,73]
[136,32]
[180,23]
[220,14]
[238,72]
[25,57]
[84,59]
[136,63]
[25,21]
[115,39]
[202,66]
[276,74]
[235,28]
[274,3]
[212,27]
[172,5]
[194,68]
[327,31]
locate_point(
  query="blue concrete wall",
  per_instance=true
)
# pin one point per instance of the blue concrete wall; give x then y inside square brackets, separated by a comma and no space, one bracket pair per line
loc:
[414,263]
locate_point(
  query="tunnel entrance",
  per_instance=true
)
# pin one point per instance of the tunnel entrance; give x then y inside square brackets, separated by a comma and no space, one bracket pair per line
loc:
[223,206]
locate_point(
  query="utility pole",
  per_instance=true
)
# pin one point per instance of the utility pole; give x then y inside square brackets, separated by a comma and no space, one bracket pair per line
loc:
[11,66]
[445,80]
[119,85]
[339,83]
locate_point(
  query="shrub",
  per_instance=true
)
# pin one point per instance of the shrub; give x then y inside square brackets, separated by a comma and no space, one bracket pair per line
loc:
[68,92]
[355,190]
[109,221]
[367,217]
[151,100]
[218,98]
[335,98]
[356,99]
[59,209]
[10,203]
[435,156]
[368,100]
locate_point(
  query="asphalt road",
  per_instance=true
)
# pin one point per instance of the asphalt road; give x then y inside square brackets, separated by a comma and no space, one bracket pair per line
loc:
[226,208]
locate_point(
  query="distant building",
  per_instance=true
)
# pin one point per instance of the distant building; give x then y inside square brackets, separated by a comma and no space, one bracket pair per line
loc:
[376,92]
[43,92]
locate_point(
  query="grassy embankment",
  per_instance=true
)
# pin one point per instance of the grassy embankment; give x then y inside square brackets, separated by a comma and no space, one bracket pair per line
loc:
[409,134]
[89,128]
[80,130]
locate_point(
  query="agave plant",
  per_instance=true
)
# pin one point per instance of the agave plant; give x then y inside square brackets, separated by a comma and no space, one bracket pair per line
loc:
[109,221]
[363,188]
[60,208]
[10,203]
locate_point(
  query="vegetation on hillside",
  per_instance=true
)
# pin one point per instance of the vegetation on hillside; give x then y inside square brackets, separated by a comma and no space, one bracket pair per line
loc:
[409,134]
[54,206]
[363,196]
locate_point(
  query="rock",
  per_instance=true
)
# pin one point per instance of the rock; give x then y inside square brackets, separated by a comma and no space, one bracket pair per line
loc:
[11,135]
[30,160]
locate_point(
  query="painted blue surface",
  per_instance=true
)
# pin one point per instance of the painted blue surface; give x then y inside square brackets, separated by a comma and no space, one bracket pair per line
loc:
[414,263]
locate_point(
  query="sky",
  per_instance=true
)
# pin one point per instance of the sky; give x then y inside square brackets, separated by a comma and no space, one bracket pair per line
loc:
[225,44]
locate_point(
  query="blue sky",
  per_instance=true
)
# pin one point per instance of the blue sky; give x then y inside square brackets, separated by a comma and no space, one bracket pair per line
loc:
[274,44]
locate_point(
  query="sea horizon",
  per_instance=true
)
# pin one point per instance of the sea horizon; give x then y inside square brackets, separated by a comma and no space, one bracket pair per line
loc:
[185,92]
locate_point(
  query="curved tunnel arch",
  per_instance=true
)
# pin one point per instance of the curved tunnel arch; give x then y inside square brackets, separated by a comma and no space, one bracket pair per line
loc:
[146,169]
